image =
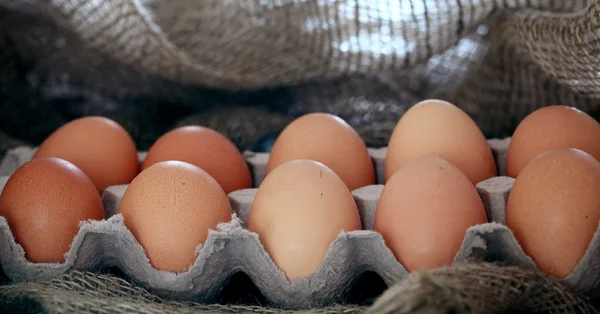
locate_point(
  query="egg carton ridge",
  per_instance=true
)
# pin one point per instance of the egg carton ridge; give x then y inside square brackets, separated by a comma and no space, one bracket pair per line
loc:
[227,250]
[231,248]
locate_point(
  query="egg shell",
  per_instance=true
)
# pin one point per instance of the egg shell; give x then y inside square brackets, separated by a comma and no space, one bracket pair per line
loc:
[298,211]
[99,146]
[550,128]
[554,208]
[327,139]
[170,208]
[425,210]
[438,128]
[204,148]
[231,249]
[44,202]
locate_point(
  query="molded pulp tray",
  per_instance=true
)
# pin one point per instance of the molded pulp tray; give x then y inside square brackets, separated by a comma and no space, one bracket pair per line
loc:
[232,248]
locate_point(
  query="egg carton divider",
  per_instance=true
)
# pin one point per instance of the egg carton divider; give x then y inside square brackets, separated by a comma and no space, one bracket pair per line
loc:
[232,248]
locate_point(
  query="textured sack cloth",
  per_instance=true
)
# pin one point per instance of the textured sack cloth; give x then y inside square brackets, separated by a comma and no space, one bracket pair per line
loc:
[481,288]
[79,292]
[365,60]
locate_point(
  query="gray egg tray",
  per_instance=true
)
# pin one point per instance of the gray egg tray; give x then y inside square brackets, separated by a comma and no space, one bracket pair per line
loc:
[231,248]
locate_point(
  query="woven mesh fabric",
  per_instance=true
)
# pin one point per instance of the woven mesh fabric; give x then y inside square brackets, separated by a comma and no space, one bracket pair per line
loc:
[80,292]
[470,288]
[480,288]
[151,63]
[271,42]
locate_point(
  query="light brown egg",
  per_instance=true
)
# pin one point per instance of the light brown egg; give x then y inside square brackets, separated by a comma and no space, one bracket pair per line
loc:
[550,128]
[554,208]
[424,212]
[299,210]
[98,146]
[169,208]
[204,148]
[438,128]
[43,202]
[327,139]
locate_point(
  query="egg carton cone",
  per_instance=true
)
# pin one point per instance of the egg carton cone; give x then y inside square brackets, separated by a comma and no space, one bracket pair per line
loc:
[231,248]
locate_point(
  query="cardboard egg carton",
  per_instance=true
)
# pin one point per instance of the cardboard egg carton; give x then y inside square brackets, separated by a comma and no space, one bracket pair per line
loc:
[231,248]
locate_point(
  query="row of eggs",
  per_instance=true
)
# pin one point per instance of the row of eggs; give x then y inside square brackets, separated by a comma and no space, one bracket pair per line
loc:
[435,156]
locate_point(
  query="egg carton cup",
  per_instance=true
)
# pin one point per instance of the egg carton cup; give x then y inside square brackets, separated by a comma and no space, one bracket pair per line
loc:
[231,248]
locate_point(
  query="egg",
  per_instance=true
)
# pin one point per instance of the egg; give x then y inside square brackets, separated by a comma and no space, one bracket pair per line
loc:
[438,128]
[550,128]
[98,146]
[327,139]
[424,212]
[554,207]
[170,208]
[44,202]
[204,148]
[298,212]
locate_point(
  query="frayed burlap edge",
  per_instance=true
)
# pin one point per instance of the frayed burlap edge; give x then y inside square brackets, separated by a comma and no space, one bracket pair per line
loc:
[466,288]
[480,288]
[83,292]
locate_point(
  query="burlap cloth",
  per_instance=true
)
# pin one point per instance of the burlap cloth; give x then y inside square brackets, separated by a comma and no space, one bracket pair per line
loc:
[468,288]
[246,68]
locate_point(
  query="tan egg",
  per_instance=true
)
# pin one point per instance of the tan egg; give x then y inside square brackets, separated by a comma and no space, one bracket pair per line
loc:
[424,212]
[554,208]
[438,128]
[327,139]
[298,212]
[43,202]
[550,128]
[98,146]
[204,148]
[169,208]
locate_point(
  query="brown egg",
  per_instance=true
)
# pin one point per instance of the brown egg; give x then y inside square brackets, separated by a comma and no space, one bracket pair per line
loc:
[554,208]
[299,210]
[327,139]
[98,146]
[204,148]
[169,208]
[550,128]
[43,202]
[424,212]
[438,128]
